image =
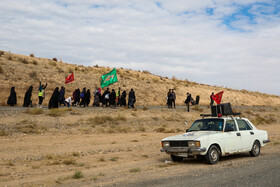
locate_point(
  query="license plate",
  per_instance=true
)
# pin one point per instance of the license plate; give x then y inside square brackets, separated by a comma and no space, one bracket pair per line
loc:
[183,154]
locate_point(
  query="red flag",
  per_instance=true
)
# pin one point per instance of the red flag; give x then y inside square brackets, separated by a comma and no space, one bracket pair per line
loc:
[218,97]
[70,78]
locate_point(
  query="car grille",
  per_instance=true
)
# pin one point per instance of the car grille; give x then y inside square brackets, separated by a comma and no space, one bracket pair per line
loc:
[178,143]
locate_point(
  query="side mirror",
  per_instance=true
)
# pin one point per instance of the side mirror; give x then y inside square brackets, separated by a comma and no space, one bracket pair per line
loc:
[187,130]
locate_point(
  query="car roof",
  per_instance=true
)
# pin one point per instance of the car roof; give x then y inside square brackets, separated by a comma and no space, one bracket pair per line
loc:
[224,117]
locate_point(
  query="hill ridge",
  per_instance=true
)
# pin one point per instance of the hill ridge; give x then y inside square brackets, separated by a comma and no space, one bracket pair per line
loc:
[23,71]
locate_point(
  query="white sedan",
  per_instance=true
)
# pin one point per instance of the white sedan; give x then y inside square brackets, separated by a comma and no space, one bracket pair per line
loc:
[214,137]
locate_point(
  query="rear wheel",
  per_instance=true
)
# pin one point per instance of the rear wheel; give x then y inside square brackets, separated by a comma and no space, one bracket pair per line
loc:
[256,149]
[176,158]
[212,156]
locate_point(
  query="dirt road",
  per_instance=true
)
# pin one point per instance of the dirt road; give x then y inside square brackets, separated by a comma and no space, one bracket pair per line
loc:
[263,171]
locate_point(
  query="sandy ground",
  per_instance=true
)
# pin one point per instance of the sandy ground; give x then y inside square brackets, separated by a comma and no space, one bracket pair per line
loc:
[123,150]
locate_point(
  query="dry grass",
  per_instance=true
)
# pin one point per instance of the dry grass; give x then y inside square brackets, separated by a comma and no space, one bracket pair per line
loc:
[134,170]
[35,111]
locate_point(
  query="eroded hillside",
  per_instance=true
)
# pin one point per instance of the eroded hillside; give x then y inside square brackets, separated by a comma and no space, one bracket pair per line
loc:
[23,71]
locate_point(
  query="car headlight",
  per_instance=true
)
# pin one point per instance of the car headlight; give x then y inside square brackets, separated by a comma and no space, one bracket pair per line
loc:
[165,144]
[194,143]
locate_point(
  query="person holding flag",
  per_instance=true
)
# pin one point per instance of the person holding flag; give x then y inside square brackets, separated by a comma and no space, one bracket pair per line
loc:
[41,94]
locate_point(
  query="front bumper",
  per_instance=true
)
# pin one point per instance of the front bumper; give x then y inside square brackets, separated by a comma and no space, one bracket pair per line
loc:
[188,150]
[266,141]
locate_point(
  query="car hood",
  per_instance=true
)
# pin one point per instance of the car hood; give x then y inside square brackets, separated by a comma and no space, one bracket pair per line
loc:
[191,135]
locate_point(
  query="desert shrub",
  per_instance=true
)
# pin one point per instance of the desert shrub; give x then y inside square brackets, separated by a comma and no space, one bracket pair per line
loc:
[160,129]
[10,57]
[3,132]
[69,161]
[2,53]
[35,111]
[55,112]
[78,175]
[1,69]
[142,129]
[145,108]
[113,159]
[29,127]
[60,70]
[23,60]
[53,63]
[103,119]
[76,68]
[70,70]
[134,170]
[33,74]
[146,72]
[54,59]
[258,120]
[31,55]
[34,62]
[196,108]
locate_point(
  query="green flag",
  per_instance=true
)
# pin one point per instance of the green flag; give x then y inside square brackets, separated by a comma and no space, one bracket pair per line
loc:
[109,78]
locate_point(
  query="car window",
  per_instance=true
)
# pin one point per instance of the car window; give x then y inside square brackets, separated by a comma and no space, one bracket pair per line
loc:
[243,125]
[207,125]
[230,125]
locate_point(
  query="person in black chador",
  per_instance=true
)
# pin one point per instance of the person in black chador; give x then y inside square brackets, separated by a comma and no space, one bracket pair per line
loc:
[188,100]
[112,98]
[131,99]
[169,98]
[211,99]
[123,99]
[78,97]
[82,95]
[87,97]
[27,98]
[62,96]
[53,103]
[105,97]
[173,99]
[12,100]
[197,99]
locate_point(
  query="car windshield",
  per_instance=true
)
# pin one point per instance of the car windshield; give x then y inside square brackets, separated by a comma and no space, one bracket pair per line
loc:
[207,125]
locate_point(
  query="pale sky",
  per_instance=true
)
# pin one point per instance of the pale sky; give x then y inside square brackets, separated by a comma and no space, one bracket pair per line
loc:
[231,43]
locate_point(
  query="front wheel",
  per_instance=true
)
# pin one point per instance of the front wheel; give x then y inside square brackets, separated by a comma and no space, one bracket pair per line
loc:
[176,158]
[256,149]
[212,156]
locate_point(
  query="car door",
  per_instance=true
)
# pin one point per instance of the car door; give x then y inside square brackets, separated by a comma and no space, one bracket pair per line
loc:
[247,134]
[232,138]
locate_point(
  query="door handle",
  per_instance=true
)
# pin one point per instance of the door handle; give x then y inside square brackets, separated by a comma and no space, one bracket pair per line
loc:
[252,133]
[238,134]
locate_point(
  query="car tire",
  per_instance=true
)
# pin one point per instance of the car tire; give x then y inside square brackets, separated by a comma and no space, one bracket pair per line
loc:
[256,149]
[213,155]
[176,158]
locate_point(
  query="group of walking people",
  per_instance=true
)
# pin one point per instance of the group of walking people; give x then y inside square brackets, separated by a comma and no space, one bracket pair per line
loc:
[79,98]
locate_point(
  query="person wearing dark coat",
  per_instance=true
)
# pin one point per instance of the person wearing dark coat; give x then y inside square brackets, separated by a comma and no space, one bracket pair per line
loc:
[105,97]
[53,103]
[169,99]
[112,98]
[74,97]
[211,99]
[87,97]
[27,98]
[78,96]
[12,100]
[62,96]
[131,99]
[123,98]
[197,99]
[188,100]
[83,97]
